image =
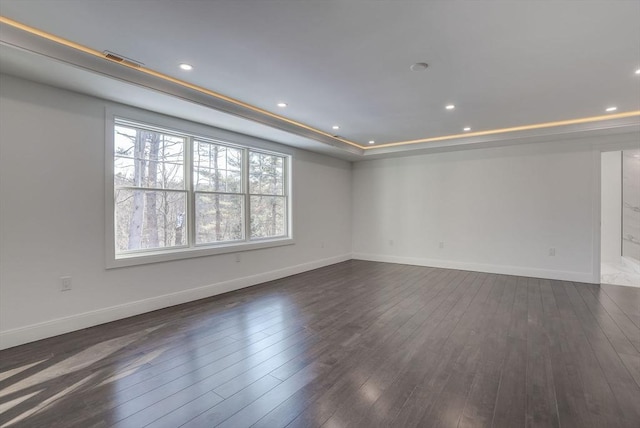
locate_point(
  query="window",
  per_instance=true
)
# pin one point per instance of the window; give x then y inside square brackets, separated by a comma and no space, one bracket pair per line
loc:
[150,189]
[267,198]
[181,194]
[218,192]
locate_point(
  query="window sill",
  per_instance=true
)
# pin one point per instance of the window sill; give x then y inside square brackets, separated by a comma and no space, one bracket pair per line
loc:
[190,253]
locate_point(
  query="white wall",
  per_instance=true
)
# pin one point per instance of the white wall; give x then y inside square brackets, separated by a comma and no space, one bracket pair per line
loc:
[495,209]
[52,223]
[611,208]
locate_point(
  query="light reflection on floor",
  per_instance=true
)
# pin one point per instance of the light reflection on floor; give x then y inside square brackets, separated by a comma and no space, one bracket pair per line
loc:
[57,380]
[112,366]
[52,399]
[9,373]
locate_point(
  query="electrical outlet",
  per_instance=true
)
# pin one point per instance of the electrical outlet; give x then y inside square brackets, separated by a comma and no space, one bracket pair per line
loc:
[65,283]
[441,245]
[238,258]
[552,251]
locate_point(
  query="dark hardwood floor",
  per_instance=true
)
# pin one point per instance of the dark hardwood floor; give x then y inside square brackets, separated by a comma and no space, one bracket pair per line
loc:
[357,344]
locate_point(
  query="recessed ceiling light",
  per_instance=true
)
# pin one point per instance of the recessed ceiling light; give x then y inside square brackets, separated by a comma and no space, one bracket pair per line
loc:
[638,71]
[283,105]
[186,67]
[335,127]
[611,108]
[419,66]
[450,107]
[371,142]
[466,129]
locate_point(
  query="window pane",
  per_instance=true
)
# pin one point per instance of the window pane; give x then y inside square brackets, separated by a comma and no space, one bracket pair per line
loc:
[268,216]
[217,168]
[266,174]
[218,218]
[144,158]
[147,219]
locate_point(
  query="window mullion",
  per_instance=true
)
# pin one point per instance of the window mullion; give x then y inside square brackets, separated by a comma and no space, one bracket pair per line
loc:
[247,198]
[286,168]
[191,200]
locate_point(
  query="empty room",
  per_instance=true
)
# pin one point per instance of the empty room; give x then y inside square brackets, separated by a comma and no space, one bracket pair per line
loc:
[306,213]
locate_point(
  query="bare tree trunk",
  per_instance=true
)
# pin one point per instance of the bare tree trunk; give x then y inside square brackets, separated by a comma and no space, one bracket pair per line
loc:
[165,199]
[135,225]
[217,197]
[151,212]
[165,218]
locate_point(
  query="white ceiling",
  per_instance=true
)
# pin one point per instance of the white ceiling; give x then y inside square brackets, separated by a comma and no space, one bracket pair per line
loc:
[502,63]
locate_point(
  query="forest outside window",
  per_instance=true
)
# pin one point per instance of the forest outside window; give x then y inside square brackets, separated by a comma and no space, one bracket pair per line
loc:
[175,193]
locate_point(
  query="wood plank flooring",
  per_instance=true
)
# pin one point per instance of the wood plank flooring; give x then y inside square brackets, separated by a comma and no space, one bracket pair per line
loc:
[356,344]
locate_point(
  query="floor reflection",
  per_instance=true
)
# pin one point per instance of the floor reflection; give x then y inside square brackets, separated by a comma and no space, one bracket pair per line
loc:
[425,346]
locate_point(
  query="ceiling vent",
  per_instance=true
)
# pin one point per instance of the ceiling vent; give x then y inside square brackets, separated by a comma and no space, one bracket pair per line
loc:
[122,59]
[419,66]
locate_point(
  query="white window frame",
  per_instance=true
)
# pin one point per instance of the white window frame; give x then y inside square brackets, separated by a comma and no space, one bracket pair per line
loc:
[191,131]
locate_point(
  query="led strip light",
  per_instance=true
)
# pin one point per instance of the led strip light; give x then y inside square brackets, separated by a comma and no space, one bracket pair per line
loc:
[242,104]
[151,72]
[513,129]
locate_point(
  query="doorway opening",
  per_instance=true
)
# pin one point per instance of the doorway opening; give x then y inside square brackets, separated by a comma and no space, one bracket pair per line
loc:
[620,218]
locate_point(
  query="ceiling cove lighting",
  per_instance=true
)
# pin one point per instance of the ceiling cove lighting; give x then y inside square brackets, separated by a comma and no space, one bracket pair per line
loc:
[186,67]
[142,69]
[514,129]
[150,72]
[450,107]
[611,109]
[282,105]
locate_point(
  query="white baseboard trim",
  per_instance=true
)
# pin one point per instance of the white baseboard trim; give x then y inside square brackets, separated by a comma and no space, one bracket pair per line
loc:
[479,267]
[31,333]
